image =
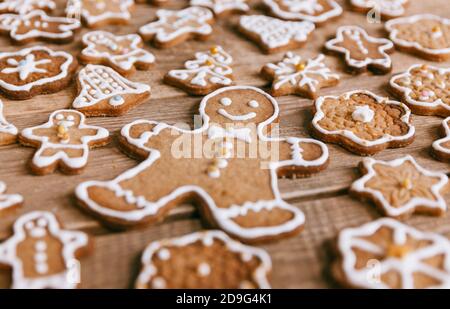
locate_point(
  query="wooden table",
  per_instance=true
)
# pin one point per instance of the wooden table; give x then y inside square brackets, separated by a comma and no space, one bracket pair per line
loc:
[298,262]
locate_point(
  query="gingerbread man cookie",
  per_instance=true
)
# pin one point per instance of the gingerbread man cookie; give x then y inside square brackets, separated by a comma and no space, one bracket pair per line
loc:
[8,132]
[316,11]
[38,26]
[424,35]
[8,201]
[104,92]
[64,141]
[223,8]
[440,148]
[293,75]
[35,70]
[209,71]
[424,88]
[401,187]
[200,260]
[274,35]
[362,51]
[236,192]
[41,254]
[362,122]
[123,53]
[22,7]
[388,254]
[386,9]
[174,27]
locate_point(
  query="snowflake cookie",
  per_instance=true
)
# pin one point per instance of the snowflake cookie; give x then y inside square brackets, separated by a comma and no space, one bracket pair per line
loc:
[8,201]
[223,7]
[37,25]
[174,27]
[198,260]
[8,132]
[424,35]
[424,88]
[362,122]
[274,35]
[440,148]
[293,75]
[219,182]
[64,141]
[316,11]
[386,9]
[401,187]
[361,51]
[41,254]
[123,53]
[35,70]
[22,7]
[209,71]
[389,254]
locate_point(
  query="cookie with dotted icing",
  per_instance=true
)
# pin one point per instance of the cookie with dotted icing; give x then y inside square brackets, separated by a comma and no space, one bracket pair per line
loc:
[274,35]
[209,71]
[64,141]
[387,254]
[424,88]
[401,187]
[440,148]
[223,8]
[199,260]
[8,132]
[424,35]
[361,52]
[35,70]
[176,26]
[43,255]
[123,53]
[316,11]
[8,201]
[294,75]
[38,26]
[104,92]
[26,6]
[236,190]
[386,9]
[362,122]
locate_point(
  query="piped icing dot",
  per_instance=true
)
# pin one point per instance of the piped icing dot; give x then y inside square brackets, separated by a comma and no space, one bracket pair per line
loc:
[208,241]
[213,171]
[158,283]
[226,101]
[363,114]
[164,254]
[253,103]
[116,100]
[203,269]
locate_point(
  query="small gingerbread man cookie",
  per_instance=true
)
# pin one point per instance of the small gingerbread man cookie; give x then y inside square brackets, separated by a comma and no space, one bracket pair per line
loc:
[274,35]
[8,132]
[8,201]
[174,27]
[362,51]
[293,75]
[123,53]
[41,254]
[386,9]
[64,141]
[362,122]
[22,7]
[424,35]
[198,260]
[440,148]
[401,187]
[424,88]
[387,254]
[209,71]
[223,8]
[316,11]
[35,70]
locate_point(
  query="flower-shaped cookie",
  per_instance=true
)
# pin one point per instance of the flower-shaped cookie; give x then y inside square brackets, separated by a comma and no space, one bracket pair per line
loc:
[441,148]
[424,88]
[401,187]
[362,122]
[388,254]
[386,9]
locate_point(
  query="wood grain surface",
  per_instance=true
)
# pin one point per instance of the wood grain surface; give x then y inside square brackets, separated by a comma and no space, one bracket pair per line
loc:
[298,262]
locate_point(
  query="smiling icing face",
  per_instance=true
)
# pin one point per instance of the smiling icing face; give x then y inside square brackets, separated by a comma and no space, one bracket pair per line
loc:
[66,119]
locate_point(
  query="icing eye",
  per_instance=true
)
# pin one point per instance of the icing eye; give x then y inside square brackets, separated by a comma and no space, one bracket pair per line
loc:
[70,118]
[59,117]
[253,104]
[226,101]
[116,100]
[29,225]
[42,222]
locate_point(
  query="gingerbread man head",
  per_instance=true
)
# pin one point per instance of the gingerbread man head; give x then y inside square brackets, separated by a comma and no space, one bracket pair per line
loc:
[36,226]
[66,119]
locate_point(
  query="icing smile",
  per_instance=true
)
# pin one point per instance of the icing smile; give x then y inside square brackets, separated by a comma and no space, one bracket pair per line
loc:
[247,116]
[66,123]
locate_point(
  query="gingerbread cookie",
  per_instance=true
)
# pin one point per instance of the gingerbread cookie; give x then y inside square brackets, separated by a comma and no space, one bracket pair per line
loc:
[362,51]
[41,254]
[209,71]
[22,7]
[38,26]
[8,132]
[237,192]
[386,9]
[293,75]
[8,201]
[207,260]
[316,11]
[174,27]
[424,88]
[424,35]
[64,141]
[362,122]
[223,8]
[123,53]
[401,187]
[98,13]
[274,35]
[35,70]
[104,92]
[388,254]
[440,149]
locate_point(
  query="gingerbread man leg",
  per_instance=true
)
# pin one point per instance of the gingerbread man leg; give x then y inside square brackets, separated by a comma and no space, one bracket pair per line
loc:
[69,159]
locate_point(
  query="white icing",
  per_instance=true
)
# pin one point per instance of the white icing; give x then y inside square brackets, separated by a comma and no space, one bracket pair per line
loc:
[116,100]
[391,8]
[363,114]
[222,6]
[8,200]
[164,254]
[226,101]
[5,126]
[203,269]
[22,7]
[109,11]
[26,66]
[243,117]
[158,283]
[437,35]
[309,10]
[214,173]
[253,103]
[243,134]
[438,145]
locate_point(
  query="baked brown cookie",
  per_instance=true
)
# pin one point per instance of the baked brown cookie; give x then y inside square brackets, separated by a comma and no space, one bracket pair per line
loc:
[223,8]
[22,7]
[440,148]
[8,132]
[8,201]
[384,9]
